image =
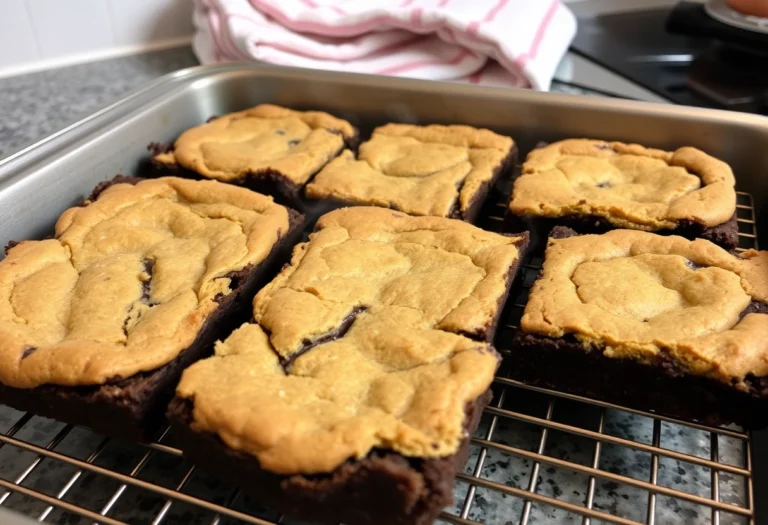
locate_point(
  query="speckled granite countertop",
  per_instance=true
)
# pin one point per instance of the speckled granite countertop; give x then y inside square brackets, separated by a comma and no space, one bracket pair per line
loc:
[35,105]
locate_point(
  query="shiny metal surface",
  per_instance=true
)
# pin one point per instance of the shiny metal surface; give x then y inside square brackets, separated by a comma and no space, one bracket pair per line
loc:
[40,182]
[57,172]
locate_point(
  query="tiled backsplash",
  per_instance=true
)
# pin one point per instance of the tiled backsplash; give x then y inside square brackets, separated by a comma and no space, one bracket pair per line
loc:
[39,32]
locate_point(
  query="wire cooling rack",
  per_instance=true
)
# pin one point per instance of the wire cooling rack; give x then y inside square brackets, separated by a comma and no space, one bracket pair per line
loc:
[538,456]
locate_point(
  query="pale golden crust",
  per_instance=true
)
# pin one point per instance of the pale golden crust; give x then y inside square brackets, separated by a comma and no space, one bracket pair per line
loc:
[421,170]
[636,294]
[295,144]
[398,379]
[627,184]
[129,279]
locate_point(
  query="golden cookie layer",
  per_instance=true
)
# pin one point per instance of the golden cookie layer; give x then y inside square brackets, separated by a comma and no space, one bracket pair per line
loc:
[421,170]
[638,294]
[287,392]
[628,185]
[295,144]
[129,279]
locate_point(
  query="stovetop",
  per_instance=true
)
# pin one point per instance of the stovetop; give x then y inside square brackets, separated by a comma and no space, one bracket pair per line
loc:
[682,54]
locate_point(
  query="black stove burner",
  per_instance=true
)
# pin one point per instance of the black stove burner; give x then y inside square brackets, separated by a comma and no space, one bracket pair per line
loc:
[682,54]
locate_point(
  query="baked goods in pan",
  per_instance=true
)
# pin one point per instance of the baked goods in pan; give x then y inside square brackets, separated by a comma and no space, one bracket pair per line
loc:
[352,394]
[97,323]
[593,186]
[270,149]
[444,171]
[652,322]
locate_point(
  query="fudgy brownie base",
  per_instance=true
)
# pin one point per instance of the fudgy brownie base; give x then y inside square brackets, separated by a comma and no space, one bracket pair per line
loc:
[384,488]
[664,386]
[725,235]
[132,408]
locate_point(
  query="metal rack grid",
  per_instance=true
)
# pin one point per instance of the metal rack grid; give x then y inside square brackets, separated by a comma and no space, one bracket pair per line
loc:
[47,473]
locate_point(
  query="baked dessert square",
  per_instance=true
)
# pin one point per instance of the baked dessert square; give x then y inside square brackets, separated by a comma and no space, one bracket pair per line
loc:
[352,394]
[270,149]
[97,323]
[651,322]
[594,186]
[443,171]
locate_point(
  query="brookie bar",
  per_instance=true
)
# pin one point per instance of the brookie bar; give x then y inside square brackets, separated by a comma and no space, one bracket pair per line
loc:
[97,323]
[651,322]
[267,148]
[353,393]
[443,171]
[593,186]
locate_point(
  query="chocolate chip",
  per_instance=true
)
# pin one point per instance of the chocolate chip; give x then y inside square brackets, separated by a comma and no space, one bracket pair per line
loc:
[293,142]
[146,286]
[28,351]
[692,265]
[604,184]
[338,333]
[280,131]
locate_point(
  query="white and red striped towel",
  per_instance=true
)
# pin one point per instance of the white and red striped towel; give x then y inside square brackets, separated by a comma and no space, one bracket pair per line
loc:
[496,42]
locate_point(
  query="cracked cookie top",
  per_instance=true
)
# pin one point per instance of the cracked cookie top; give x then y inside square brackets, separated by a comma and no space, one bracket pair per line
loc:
[129,279]
[628,185]
[421,170]
[637,295]
[369,339]
[260,140]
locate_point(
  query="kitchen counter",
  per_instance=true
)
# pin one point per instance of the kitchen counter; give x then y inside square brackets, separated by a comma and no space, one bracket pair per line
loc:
[38,104]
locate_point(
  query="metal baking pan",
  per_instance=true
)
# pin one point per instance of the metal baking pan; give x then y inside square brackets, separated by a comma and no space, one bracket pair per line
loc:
[538,457]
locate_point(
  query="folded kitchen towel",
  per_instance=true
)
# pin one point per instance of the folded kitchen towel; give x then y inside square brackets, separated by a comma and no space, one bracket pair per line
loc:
[494,42]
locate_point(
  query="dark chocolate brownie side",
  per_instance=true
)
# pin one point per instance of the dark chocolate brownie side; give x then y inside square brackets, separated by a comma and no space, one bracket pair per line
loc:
[268,182]
[132,408]
[384,488]
[725,235]
[664,386]
[490,332]
[472,213]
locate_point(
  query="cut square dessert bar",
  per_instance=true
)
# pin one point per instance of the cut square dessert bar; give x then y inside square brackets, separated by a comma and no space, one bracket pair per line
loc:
[267,148]
[97,323]
[593,186]
[352,394]
[651,322]
[444,171]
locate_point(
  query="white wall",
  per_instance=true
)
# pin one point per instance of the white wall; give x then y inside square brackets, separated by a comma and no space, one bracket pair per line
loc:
[42,33]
